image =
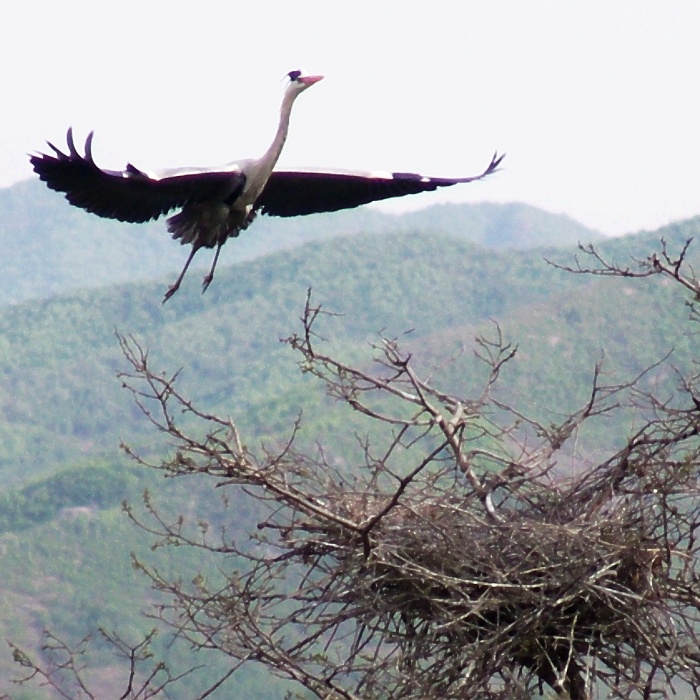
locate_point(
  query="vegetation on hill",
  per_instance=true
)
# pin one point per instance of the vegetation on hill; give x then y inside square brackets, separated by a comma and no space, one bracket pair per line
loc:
[445,554]
[63,411]
[59,356]
[72,572]
[68,493]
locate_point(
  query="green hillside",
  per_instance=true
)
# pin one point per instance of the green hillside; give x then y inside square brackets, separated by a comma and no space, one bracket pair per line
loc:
[73,574]
[58,357]
[65,544]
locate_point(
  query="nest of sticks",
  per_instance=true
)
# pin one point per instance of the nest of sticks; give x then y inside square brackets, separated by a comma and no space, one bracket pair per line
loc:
[457,593]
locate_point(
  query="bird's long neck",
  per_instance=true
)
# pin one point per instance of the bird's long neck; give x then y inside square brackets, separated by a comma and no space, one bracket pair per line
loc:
[258,175]
[273,153]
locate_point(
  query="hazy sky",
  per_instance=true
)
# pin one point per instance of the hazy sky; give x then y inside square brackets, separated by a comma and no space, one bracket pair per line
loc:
[596,103]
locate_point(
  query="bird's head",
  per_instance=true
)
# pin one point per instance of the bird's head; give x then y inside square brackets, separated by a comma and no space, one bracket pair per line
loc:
[298,82]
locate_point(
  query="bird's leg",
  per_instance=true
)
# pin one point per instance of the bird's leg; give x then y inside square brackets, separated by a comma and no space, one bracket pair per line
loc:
[173,288]
[207,280]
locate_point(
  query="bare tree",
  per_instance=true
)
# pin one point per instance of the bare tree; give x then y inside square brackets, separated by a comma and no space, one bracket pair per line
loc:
[67,671]
[452,561]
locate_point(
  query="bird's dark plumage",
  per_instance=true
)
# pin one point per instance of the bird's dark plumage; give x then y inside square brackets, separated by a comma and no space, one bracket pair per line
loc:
[130,194]
[217,203]
[299,192]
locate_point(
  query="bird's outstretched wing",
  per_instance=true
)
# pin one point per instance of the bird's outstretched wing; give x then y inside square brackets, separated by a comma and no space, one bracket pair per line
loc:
[131,194]
[298,192]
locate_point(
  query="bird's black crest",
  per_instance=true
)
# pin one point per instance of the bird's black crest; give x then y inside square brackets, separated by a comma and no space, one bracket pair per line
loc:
[294,75]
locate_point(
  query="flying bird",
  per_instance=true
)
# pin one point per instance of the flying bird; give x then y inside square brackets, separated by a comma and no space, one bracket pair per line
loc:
[218,203]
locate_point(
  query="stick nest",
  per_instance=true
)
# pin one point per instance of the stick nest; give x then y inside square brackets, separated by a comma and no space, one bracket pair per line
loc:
[461,592]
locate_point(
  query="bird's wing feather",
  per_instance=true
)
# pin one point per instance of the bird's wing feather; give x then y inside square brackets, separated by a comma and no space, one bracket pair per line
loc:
[131,194]
[298,192]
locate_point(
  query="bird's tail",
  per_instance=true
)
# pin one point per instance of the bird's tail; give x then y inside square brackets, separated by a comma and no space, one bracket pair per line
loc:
[200,224]
[206,226]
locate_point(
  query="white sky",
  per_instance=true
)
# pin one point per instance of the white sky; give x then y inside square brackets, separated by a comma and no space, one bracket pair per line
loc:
[597,103]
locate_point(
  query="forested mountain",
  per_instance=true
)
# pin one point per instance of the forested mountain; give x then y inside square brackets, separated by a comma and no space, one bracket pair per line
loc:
[58,356]
[63,410]
[52,247]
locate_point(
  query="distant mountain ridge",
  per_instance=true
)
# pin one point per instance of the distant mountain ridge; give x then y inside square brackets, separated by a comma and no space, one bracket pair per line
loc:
[51,247]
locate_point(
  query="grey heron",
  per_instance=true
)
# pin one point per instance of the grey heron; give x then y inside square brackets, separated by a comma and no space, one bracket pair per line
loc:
[217,203]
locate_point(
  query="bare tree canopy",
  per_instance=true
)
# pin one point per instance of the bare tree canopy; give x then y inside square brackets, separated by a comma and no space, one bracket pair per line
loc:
[456,560]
